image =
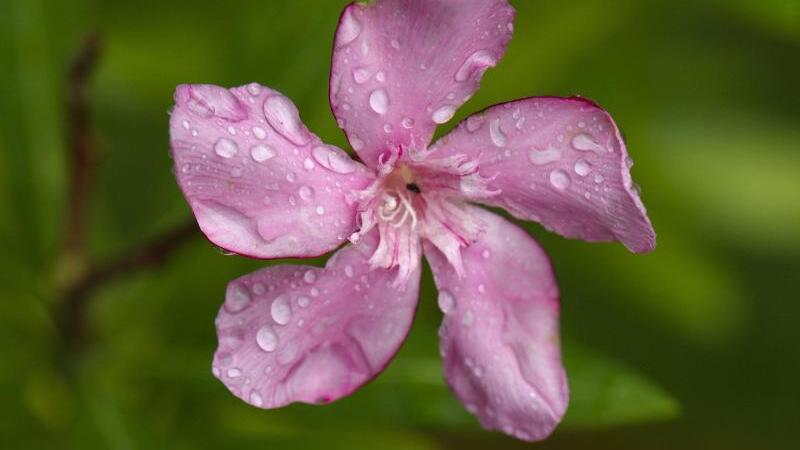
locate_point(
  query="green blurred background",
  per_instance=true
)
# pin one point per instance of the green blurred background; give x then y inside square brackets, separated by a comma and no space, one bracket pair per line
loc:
[692,346]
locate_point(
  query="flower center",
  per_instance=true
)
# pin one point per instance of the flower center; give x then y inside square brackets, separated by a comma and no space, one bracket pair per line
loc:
[419,198]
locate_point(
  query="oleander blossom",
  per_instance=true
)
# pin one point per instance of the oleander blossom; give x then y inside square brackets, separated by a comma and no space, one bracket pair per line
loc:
[261,185]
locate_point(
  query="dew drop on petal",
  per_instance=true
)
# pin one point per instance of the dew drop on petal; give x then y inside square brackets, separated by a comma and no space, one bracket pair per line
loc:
[474,123]
[361,75]
[544,157]
[310,276]
[234,372]
[306,193]
[281,310]
[443,114]
[407,122]
[238,299]
[474,65]
[262,152]
[255,399]
[496,134]
[585,143]
[226,148]
[303,301]
[349,29]
[266,338]
[333,159]
[308,164]
[379,101]
[446,301]
[259,133]
[559,179]
[349,271]
[283,117]
[582,167]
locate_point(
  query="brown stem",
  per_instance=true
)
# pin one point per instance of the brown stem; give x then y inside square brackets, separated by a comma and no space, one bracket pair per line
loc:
[72,312]
[81,146]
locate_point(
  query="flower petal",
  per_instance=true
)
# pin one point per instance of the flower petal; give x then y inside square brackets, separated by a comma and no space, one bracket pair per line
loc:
[400,67]
[560,162]
[259,183]
[499,337]
[304,334]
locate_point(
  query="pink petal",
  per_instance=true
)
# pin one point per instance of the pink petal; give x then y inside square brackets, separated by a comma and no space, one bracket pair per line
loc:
[304,334]
[560,162]
[259,183]
[499,337]
[402,67]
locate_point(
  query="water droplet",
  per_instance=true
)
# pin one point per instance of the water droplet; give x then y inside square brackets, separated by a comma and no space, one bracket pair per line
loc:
[379,101]
[349,271]
[356,142]
[234,373]
[238,298]
[267,339]
[226,148]
[443,114]
[585,143]
[474,123]
[254,89]
[258,289]
[380,76]
[468,319]
[395,44]
[446,301]
[236,172]
[582,167]
[361,75]
[207,100]
[320,210]
[306,193]
[262,152]
[308,164]
[496,133]
[255,399]
[544,157]
[485,254]
[482,288]
[598,178]
[475,65]
[559,179]
[310,276]
[283,117]
[259,133]
[291,177]
[348,30]
[281,310]
[333,159]
[314,292]
[407,122]
[387,128]
[232,130]
[303,301]
[185,124]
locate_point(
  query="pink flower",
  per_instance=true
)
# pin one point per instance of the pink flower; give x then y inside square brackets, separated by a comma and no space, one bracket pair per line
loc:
[262,185]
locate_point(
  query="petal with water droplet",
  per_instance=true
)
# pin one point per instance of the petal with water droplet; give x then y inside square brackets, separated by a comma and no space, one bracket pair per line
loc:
[242,186]
[499,338]
[320,350]
[539,170]
[417,83]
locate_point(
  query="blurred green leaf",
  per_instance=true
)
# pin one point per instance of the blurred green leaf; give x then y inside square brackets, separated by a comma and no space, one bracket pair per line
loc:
[606,393]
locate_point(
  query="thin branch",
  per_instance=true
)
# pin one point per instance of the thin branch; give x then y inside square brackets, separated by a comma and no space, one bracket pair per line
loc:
[71,315]
[82,158]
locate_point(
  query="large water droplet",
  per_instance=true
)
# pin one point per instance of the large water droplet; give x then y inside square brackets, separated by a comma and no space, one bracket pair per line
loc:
[281,310]
[379,101]
[496,133]
[475,65]
[267,339]
[559,179]
[544,157]
[333,159]
[262,152]
[238,299]
[443,114]
[226,148]
[283,117]
[446,301]
[349,28]
[585,143]
[582,167]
